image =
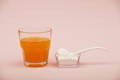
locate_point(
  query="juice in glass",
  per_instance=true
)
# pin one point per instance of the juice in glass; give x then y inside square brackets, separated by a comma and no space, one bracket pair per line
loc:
[35,50]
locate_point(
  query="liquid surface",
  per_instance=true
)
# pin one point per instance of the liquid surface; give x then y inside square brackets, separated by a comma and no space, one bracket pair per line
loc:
[35,49]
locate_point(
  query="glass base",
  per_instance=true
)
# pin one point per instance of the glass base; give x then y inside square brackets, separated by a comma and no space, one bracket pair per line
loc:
[41,64]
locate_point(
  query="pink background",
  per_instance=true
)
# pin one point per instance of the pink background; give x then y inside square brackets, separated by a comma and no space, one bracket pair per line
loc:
[77,24]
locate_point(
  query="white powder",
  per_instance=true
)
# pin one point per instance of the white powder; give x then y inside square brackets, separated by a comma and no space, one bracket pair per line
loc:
[66,58]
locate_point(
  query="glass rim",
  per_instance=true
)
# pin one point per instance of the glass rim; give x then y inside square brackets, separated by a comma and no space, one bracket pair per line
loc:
[36,29]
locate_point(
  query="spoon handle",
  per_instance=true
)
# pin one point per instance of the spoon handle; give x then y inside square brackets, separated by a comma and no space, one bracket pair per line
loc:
[88,49]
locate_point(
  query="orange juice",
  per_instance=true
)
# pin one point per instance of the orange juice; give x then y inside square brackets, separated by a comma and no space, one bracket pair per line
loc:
[35,50]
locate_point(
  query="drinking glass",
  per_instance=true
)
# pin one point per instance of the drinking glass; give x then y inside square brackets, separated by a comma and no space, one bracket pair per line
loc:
[35,44]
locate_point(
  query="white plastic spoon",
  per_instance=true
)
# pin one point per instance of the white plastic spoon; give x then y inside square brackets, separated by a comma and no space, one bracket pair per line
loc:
[66,58]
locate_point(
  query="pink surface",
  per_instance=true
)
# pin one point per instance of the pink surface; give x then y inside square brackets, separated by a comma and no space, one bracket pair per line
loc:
[77,24]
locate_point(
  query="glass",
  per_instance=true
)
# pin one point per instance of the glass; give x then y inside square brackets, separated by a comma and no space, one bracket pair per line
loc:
[35,44]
